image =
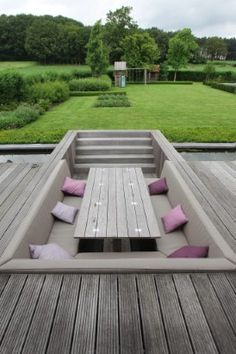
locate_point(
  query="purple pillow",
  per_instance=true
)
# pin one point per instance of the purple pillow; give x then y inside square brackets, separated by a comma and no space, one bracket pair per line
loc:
[190,252]
[73,187]
[51,251]
[174,219]
[64,212]
[158,187]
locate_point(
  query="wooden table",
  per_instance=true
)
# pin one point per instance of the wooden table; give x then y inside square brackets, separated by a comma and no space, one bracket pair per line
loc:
[116,204]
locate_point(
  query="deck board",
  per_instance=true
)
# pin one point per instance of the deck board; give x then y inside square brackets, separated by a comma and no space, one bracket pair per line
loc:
[118,313]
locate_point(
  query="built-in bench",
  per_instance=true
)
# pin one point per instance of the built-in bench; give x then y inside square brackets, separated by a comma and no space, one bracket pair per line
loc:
[40,227]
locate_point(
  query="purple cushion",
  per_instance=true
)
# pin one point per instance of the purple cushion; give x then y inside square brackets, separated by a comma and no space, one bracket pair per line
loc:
[51,251]
[174,219]
[73,187]
[158,187]
[64,212]
[190,252]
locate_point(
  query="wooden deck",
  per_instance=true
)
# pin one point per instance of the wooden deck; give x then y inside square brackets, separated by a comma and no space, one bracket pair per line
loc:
[157,313]
[219,178]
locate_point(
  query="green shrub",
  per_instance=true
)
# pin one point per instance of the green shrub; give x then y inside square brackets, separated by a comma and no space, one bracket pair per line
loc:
[112,101]
[223,87]
[12,87]
[95,93]
[90,84]
[198,76]
[23,115]
[53,92]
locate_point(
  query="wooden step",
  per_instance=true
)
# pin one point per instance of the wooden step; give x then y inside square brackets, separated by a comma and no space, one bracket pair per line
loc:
[128,158]
[114,141]
[106,149]
[113,133]
[83,168]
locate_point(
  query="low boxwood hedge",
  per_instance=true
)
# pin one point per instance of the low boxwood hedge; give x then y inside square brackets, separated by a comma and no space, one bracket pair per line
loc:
[21,116]
[95,93]
[222,86]
[90,84]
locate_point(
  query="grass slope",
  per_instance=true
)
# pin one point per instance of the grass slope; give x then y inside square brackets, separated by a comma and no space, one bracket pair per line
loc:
[182,113]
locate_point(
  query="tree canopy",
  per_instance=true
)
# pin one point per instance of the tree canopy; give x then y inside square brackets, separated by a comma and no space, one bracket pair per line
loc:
[97,55]
[140,50]
[181,47]
[216,48]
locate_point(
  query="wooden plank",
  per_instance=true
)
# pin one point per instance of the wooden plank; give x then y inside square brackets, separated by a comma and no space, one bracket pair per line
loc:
[39,331]
[17,329]
[8,300]
[84,339]
[92,228]
[227,167]
[139,207]
[11,195]
[108,325]
[3,281]
[133,229]
[176,330]
[150,215]
[63,324]
[6,170]
[232,279]
[215,316]
[201,338]
[112,210]
[34,187]
[85,205]
[122,225]
[152,323]
[102,217]
[130,327]
[10,178]
[226,295]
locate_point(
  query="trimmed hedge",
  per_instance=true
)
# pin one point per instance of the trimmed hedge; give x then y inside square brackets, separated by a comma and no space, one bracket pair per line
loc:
[52,92]
[199,76]
[112,101]
[95,93]
[221,86]
[163,83]
[23,115]
[90,84]
[12,87]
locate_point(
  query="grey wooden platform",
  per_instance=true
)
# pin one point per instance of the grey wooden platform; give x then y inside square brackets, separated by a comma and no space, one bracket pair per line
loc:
[219,178]
[116,204]
[156,313]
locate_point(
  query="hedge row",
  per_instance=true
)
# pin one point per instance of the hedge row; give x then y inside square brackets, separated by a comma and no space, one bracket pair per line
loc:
[90,84]
[199,76]
[23,115]
[163,83]
[95,93]
[221,86]
[112,101]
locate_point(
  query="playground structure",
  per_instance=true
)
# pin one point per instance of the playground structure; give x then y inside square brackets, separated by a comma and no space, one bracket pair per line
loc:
[135,75]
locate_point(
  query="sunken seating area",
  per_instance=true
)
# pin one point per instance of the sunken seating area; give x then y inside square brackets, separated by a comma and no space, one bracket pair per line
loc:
[40,227]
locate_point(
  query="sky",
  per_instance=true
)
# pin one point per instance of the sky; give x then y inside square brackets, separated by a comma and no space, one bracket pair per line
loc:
[204,17]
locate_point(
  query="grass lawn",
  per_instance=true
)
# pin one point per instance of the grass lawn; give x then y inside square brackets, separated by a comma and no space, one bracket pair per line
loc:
[183,113]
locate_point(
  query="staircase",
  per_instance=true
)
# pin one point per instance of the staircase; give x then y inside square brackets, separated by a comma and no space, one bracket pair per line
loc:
[113,149]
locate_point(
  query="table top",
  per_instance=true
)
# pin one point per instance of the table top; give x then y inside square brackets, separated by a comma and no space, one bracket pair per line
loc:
[116,204]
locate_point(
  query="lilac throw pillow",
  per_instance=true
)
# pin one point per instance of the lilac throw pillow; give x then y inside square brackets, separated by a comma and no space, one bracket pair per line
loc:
[64,212]
[73,187]
[174,219]
[51,251]
[158,187]
[190,252]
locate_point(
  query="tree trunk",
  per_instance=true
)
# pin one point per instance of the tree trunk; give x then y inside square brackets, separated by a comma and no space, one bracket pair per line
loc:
[175,75]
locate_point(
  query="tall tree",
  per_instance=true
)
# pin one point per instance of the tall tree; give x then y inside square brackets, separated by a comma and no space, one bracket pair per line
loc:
[140,50]
[161,38]
[97,55]
[216,48]
[118,25]
[181,47]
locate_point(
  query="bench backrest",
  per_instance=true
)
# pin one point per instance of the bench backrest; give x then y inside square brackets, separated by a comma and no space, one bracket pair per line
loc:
[199,230]
[36,227]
